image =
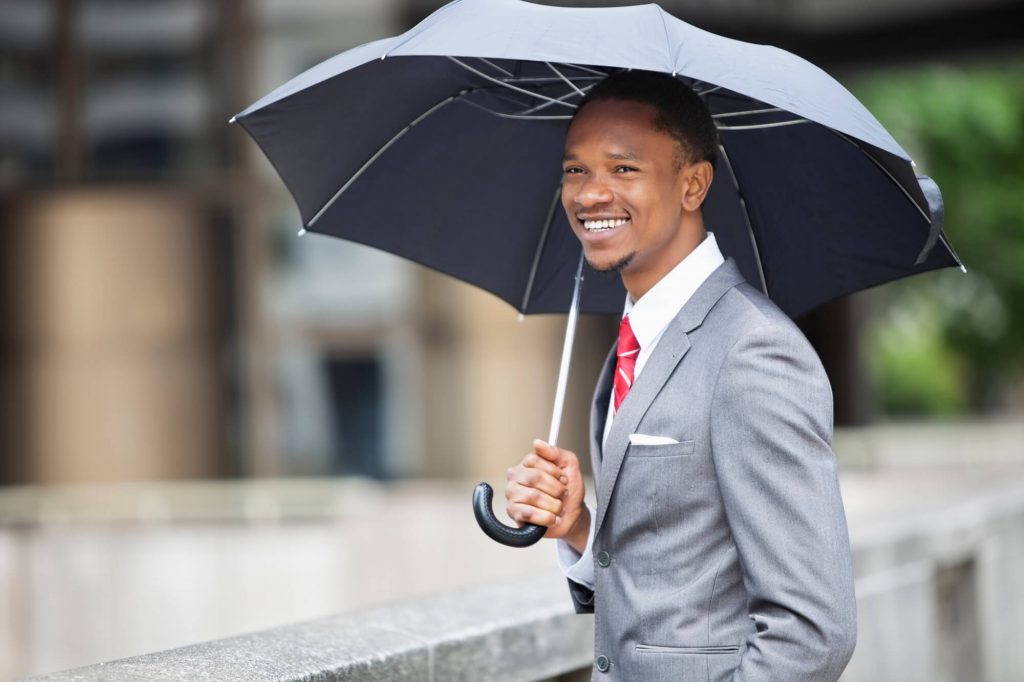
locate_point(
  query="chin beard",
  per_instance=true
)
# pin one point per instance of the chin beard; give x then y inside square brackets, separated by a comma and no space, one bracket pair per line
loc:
[617,266]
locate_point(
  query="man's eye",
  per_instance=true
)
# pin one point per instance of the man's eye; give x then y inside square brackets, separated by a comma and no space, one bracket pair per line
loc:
[624,169]
[572,170]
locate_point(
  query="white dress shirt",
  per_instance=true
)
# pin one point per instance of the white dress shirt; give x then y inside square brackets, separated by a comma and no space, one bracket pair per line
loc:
[648,317]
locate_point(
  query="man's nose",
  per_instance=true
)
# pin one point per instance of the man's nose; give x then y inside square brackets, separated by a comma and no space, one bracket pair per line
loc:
[593,192]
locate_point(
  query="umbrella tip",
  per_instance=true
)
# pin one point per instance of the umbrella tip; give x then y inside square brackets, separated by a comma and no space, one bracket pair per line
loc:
[520,317]
[232,119]
[302,231]
[963,269]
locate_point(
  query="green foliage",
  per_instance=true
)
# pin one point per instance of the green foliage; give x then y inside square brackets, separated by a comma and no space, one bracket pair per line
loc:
[964,126]
[914,371]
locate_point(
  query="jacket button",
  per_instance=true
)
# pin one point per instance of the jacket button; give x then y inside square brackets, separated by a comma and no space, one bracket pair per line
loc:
[602,663]
[604,559]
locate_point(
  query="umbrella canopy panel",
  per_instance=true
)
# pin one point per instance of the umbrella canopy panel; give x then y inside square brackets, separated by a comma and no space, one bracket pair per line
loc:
[845,213]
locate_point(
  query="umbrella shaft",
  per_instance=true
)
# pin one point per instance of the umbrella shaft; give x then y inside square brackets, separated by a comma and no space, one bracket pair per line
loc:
[563,370]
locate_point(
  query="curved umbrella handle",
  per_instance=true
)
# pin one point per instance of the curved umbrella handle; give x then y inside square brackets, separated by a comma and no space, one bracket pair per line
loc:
[495,529]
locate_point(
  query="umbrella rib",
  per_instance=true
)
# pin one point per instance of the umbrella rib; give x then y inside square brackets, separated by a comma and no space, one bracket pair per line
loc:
[562,76]
[949,247]
[545,79]
[668,43]
[526,114]
[540,248]
[588,69]
[495,66]
[746,215]
[585,90]
[411,33]
[728,114]
[510,86]
[384,148]
[519,117]
[761,126]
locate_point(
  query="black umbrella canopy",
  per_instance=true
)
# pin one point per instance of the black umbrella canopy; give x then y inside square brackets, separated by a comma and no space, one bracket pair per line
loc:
[443,145]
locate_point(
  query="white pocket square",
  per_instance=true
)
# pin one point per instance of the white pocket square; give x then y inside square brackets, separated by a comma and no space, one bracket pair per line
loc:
[644,439]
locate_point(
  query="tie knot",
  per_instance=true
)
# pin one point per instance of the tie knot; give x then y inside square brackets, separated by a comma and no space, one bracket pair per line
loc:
[628,345]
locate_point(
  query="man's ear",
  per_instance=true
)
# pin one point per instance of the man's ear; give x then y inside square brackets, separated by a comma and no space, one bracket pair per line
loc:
[697,179]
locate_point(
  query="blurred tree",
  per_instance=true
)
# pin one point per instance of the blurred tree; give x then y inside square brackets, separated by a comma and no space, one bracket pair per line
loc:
[946,341]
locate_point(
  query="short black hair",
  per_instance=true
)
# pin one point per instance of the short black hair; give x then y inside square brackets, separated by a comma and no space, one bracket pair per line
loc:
[680,111]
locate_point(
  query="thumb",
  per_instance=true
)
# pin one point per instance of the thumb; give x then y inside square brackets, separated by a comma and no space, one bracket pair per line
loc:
[549,452]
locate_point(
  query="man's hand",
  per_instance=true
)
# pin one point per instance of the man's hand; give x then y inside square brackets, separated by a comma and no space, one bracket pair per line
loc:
[546,489]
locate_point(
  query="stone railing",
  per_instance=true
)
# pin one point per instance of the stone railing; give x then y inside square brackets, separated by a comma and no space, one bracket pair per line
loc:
[940,589]
[523,631]
[938,556]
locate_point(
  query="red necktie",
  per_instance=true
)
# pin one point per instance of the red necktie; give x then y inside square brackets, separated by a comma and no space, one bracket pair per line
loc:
[627,351]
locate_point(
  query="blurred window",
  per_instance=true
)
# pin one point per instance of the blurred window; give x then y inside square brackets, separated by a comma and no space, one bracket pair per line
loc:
[355,393]
[110,90]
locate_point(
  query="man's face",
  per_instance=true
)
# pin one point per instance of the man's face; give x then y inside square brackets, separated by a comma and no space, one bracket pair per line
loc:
[622,189]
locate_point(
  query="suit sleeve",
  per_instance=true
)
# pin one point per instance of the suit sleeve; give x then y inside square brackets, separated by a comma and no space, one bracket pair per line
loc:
[579,570]
[582,597]
[771,433]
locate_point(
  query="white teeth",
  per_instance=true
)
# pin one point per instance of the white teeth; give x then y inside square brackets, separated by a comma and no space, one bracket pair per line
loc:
[601,225]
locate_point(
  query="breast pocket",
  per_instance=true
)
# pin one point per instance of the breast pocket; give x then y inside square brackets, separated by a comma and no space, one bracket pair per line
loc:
[680,449]
[664,475]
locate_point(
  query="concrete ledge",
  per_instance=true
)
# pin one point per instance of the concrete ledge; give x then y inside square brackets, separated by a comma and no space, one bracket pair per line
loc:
[937,557]
[931,444]
[521,631]
[939,589]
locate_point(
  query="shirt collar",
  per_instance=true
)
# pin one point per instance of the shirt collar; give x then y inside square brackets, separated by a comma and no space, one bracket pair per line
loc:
[649,316]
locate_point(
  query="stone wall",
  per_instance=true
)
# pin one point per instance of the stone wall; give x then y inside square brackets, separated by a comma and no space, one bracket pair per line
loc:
[90,574]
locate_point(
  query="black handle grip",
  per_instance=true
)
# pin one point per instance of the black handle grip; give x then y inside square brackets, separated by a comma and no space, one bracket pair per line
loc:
[495,529]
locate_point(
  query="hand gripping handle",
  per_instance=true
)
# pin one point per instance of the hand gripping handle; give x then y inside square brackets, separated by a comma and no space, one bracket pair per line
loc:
[495,529]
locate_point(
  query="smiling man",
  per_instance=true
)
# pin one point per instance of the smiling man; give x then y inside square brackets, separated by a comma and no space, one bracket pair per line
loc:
[718,549]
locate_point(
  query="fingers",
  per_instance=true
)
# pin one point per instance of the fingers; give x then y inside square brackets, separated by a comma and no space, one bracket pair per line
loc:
[533,496]
[525,513]
[540,484]
[535,479]
[537,466]
[514,492]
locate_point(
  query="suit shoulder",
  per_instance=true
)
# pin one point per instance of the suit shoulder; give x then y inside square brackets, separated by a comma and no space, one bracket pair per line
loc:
[745,313]
[748,308]
[758,337]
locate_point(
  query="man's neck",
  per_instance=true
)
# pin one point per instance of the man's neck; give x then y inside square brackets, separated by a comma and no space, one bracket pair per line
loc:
[639,283]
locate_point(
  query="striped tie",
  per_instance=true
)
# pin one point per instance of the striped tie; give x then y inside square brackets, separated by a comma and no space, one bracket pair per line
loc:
[626,353]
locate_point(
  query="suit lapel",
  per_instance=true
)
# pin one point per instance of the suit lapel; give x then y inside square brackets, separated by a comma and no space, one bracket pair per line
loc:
[599,409]
[671,349]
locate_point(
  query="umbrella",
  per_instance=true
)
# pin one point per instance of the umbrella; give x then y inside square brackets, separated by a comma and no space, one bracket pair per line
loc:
[443,145]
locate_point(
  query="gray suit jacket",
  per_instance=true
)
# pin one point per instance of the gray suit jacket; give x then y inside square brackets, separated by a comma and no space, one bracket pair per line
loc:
[725,556]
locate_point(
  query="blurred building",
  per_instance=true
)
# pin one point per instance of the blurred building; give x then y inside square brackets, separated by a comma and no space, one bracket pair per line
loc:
[162,319]
[114,241]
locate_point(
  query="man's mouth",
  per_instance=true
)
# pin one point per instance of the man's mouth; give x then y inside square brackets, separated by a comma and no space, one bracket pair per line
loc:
[603,225]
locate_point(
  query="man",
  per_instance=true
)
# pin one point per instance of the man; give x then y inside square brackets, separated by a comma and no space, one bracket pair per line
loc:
[718,549]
